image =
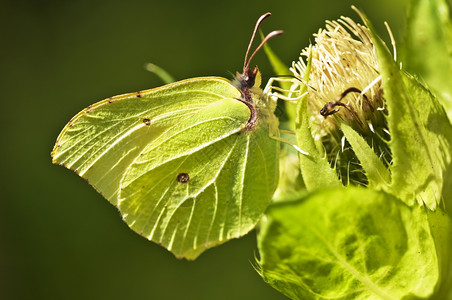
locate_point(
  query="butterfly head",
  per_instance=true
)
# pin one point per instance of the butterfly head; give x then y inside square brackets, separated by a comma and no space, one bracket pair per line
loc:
[248,79]
[251,78]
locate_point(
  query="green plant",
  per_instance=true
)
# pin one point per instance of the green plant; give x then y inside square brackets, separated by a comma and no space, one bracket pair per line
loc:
[373,224]
[362,206]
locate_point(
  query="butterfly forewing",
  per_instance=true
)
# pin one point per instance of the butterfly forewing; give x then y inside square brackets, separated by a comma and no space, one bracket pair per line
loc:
[103,140]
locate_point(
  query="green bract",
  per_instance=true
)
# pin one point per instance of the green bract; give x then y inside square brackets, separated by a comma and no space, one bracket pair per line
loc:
[421,134]
[427,47]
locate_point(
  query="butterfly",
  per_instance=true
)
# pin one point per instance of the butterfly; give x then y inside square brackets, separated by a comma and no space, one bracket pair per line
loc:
[189,165]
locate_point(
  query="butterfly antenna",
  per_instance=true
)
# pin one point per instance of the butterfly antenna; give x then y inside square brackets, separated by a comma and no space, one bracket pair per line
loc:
[258,23]
[265,40]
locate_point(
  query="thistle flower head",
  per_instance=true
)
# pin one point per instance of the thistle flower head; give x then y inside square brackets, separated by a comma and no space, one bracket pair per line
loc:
[345,86]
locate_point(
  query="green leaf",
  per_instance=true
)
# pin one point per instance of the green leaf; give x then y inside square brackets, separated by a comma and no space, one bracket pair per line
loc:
[376,172]
[441,228]
[290,180]
[279,67]
[421,134]
[348,243]
[315,168]
[178,161]
[427,47]
[160,72]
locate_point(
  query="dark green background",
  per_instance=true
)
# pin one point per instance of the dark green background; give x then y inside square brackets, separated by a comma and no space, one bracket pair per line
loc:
[58,238]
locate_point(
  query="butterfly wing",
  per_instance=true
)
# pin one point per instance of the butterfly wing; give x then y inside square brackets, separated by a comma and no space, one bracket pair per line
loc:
[177,162]
[101,141]
[230,179]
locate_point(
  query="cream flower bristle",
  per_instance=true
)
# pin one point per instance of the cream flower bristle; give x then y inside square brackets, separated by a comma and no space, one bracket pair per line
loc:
[343,56]
[344,84]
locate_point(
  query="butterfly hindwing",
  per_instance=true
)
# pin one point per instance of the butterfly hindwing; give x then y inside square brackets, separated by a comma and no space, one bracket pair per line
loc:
[229,181]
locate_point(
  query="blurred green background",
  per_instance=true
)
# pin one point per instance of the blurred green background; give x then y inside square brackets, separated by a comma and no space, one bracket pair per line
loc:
[59,239]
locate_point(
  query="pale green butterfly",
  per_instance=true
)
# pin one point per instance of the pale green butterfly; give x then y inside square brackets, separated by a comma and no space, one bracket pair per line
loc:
[190,164]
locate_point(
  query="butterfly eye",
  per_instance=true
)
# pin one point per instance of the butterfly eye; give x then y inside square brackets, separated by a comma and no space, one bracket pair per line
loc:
[250,81]
[249,77]
[183,177]
[147,121]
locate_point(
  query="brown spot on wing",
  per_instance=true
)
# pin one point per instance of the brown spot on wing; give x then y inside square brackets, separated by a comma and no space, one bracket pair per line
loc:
[183,177]
[147,121]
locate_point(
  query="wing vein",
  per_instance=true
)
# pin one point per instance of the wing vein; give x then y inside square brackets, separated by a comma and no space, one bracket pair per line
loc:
[116,141]
[245,161]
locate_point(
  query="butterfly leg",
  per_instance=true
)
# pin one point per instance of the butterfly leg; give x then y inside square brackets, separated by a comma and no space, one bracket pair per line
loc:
[279,94]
